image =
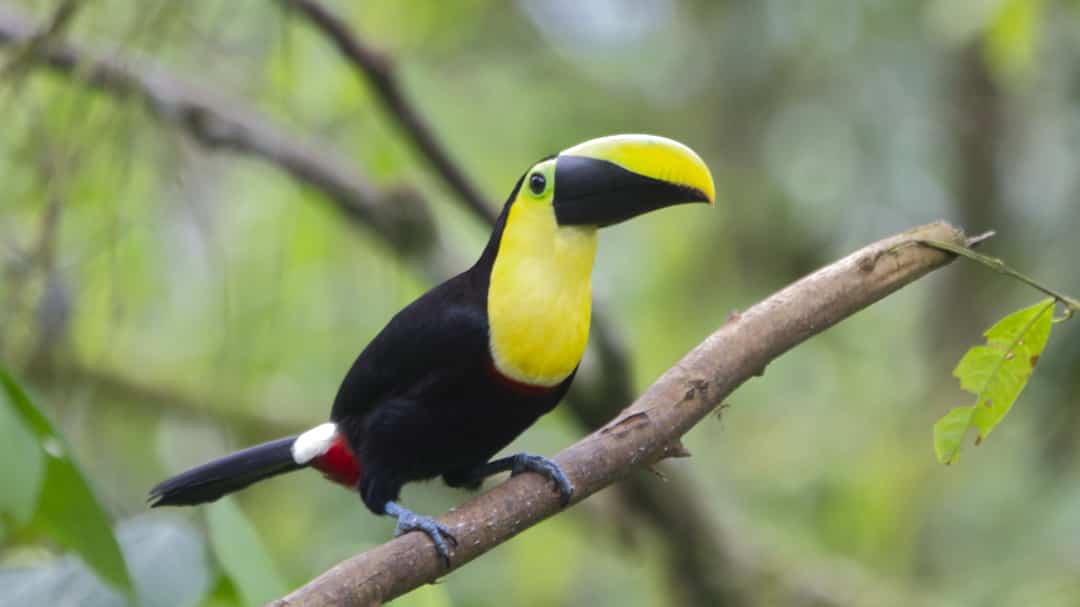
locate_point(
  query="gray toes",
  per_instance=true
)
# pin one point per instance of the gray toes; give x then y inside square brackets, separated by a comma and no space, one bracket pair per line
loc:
[524,462]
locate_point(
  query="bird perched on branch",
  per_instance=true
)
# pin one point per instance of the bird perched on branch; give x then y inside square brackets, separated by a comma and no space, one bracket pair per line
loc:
[459,373]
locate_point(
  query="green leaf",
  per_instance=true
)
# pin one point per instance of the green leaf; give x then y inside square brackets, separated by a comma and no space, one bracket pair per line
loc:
[21,482]
[242,555]
[70,514]
[995,373]
[67,509]
[949,431]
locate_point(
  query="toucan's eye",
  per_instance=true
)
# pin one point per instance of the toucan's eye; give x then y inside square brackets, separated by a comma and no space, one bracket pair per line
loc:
[537,183]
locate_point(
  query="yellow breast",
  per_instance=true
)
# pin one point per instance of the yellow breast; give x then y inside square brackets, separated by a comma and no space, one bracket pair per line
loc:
[540,295]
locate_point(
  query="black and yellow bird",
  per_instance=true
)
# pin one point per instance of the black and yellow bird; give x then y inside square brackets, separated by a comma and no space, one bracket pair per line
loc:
[459,373]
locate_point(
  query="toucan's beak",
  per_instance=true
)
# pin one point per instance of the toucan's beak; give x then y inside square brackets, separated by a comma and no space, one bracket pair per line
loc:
[611,179]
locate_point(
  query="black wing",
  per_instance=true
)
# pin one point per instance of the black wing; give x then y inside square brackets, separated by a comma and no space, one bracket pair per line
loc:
[445,331]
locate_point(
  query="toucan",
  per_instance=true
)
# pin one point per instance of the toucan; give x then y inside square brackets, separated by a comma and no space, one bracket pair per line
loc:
[464,369]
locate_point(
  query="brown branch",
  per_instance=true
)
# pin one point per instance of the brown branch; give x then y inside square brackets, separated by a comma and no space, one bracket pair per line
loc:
[648,430]
[399,217]
[378,68]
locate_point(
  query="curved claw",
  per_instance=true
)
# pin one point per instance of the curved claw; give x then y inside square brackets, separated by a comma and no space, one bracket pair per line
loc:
[527,462]
[439,534]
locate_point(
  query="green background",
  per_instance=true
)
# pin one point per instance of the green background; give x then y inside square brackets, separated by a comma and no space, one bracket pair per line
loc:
[164,303]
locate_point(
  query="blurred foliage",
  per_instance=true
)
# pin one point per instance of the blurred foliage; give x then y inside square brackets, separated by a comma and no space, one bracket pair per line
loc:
[242,555]
[168,565]
[51,494]
[168,304]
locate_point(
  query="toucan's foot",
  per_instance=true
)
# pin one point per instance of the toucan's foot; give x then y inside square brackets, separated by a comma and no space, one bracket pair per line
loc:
[408,520]
[526,462]
[516,464]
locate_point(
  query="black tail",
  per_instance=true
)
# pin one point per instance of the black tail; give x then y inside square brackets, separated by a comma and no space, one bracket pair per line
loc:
[233,472]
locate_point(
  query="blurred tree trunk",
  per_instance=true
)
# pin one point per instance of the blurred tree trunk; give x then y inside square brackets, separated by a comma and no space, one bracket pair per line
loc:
[978,119]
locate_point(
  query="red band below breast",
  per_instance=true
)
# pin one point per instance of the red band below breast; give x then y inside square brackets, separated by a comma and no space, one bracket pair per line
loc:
[515,385]
[338,463]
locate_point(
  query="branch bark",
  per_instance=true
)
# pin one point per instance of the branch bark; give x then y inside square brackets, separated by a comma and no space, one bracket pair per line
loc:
[648,430]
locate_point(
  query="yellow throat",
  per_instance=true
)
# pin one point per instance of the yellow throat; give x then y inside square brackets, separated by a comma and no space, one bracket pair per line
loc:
[540,295]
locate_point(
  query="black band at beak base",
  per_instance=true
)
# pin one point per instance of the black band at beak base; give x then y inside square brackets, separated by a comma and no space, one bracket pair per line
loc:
[589,191]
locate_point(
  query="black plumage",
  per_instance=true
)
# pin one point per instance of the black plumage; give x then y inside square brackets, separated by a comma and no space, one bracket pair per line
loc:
[233,472]
[424,398]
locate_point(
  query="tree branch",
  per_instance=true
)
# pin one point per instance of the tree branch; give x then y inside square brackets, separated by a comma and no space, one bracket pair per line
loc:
[399,217]
[53,29]
[131,393]
[648,430]
[378,69]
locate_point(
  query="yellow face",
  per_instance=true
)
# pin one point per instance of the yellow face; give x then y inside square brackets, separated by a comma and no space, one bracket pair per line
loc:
[540,293]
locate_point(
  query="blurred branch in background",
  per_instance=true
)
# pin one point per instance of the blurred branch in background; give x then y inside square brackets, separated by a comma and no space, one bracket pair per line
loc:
[121,390]
[54,309]
[978,113]
[397,216]
[41,39]
[38,256]
[377,68]
[651,428]
[737,567]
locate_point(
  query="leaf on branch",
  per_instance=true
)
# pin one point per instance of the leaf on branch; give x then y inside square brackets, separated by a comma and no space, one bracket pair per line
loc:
[995,373]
